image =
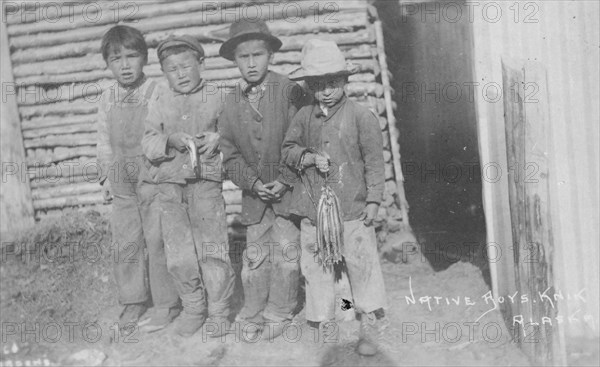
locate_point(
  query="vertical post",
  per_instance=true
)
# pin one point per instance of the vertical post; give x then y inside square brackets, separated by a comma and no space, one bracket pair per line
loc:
[16,206]
[394,133]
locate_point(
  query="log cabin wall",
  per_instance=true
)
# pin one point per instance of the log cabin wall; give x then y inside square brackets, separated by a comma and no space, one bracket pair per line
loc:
[60,75]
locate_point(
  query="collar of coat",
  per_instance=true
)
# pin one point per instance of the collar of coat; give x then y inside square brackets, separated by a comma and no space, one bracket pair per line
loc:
[248,88]
[195,90]
[330,110]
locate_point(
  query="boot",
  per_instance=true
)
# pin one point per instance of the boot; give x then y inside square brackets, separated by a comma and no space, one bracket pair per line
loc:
[371,330]
[130,316]
[160,319]
[273,329]
[222,325]
[188,324]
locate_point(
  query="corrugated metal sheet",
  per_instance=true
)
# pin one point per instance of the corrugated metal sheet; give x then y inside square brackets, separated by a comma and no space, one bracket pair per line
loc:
[562,37]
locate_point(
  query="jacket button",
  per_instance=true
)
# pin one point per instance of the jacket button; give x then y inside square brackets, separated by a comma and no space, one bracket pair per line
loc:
[185,166]
[184,117]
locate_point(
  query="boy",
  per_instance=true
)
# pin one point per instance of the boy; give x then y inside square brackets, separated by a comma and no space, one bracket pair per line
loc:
[337,141]
[121,117]
[254,122]
[191,215]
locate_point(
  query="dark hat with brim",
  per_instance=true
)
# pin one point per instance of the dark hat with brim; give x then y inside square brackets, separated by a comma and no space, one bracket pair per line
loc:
[174,41]
[245,30]
[322,59]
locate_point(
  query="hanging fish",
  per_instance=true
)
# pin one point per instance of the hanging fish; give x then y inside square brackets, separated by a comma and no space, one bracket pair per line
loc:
[330,229]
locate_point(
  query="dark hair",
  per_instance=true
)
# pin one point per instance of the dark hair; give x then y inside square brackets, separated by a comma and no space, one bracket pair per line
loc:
[125,36]
[175,50]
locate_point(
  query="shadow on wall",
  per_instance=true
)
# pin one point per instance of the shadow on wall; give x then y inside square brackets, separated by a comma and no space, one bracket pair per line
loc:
[429,55]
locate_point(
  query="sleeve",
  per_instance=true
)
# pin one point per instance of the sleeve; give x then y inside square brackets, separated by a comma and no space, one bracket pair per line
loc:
[154,141]
[104,154]
[370,142]
[296,100]
[238,170]
[294,146]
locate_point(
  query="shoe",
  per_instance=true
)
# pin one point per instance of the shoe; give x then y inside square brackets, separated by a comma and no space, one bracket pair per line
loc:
[188,324]
[129,318]
[371,330]
[220,326]
[161,318]
[273,329]
[250,330]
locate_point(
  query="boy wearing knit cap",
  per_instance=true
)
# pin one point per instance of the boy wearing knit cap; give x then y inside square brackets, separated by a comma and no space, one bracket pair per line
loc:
[253,124]
[140,278]
[187,198]
[337,143]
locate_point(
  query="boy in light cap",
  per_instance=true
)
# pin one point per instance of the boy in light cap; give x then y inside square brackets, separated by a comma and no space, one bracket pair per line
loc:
[253,124]
[337,141]
[188,203]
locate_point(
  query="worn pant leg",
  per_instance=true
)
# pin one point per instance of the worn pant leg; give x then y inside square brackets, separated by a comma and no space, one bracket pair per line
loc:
[182,260]
[128,238]
[320,285]
[285,270]
[256,270]
[364,270]
[162,286]
[209,224]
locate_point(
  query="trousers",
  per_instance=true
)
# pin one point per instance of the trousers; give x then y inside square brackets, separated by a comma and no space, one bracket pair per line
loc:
[362,266]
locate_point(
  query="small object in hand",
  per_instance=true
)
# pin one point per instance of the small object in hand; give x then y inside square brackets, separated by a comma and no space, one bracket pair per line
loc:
[330,229]
[193,150]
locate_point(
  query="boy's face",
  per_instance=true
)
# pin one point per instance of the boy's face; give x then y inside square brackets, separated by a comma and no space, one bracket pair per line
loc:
[183,71]
[252,58]
[126,65]
[327,90]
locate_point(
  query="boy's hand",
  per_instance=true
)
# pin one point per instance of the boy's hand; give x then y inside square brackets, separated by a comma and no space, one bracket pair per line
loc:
[106,192]
[263,193]
[322,163]
[369,213]
[208,142]
[178,141]
[277,188]
[318,160]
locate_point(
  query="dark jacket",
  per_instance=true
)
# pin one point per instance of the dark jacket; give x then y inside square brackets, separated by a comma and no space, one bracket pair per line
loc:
[251,141]
[350,134]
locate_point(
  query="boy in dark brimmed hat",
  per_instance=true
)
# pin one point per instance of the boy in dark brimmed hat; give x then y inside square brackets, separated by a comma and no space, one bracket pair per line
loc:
[121,115]
[255,119]
[338,142]
[187,202]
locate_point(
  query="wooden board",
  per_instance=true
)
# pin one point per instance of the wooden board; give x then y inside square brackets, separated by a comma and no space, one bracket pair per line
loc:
[533,323]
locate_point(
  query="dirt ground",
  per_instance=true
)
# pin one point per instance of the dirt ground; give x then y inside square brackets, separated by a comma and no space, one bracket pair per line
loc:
[52,310]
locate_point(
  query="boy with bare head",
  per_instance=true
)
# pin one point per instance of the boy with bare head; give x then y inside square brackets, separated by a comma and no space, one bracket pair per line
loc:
[121,115]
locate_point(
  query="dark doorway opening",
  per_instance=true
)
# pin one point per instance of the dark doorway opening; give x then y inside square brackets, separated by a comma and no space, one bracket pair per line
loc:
[430,58]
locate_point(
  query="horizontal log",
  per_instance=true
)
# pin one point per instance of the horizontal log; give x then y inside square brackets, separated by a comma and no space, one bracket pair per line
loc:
[74,189]
[40,183]
[230,209]
[107,12]
[79,106]
[62,154]
[70,140]
[358,89]
[42,123]
[36,11]
[211,50]
[68,129]
[68,201]
[212,22]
